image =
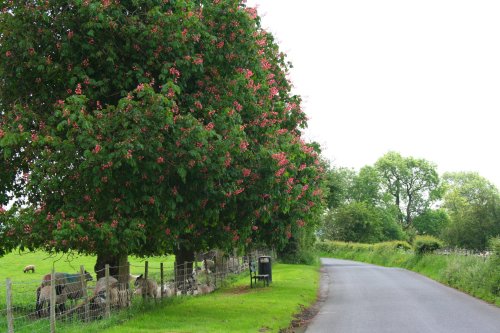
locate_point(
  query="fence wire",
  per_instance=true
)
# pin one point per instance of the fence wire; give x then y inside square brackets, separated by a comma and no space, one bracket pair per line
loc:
[36,305]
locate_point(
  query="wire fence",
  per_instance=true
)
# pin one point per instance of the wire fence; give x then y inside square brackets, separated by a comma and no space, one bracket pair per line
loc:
[36,306]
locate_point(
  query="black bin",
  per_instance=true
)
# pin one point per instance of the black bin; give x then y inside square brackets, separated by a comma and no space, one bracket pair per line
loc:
[265,267]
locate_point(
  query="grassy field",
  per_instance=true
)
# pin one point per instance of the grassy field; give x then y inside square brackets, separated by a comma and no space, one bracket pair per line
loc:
[474,275]
[233,308]
[24,285]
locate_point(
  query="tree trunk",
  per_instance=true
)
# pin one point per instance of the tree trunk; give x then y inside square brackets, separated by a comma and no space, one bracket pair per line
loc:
[118,266]
[183,255]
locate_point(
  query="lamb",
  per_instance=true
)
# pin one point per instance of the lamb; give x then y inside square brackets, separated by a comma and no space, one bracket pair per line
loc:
[43,297]
[29,268]
[148,287]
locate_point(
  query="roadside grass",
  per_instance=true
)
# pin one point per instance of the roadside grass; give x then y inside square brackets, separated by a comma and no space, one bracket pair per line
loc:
[471,274]
[233,308]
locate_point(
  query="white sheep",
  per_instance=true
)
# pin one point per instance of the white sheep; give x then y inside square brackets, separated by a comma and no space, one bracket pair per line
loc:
[43,297]
[29,268]
[148,287]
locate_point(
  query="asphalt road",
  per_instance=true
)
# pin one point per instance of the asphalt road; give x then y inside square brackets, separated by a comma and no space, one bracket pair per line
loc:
[365,298]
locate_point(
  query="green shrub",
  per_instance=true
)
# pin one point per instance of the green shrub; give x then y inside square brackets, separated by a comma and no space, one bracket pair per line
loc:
[393,245]
[494,266]
[426,244]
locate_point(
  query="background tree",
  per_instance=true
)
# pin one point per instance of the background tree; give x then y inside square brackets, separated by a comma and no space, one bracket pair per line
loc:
[360,211]
[473,204]
[150,127]
[413,183]
[432,222]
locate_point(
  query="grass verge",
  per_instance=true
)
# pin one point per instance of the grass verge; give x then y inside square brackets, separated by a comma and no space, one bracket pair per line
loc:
[474,275]
[233,308]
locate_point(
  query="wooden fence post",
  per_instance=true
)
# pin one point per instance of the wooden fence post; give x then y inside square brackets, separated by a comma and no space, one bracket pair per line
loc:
[215,272]
[175,278]
[108,292]
[184,278]
[10,314]
[206,272]
[84,293]
[145,285]
[161,280]
[53,301]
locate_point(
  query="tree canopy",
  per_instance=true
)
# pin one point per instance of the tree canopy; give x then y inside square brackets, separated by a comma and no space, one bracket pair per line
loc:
[473,204]
[138,127]
[413,183]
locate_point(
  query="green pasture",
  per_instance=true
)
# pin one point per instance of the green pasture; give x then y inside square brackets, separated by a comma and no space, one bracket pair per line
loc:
[233,308]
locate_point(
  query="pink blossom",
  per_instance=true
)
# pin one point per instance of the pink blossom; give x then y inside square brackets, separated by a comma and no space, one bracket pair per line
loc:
[237,106]
[140,87]
[174,190]
[220,44]
[8,54]
[238,191]
[198,105]
[160,160]
[265,64]
[97,149]
[2,210]
[167,231]
[255,228]
[246,172]
[209,126]
[78,89]
[243,145]
[280,172]
[114,224]
[252,12]
[248,74]
[151,200]
[174,71]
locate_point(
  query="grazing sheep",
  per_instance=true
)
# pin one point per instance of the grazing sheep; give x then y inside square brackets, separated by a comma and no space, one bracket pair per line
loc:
[149,286]
[100,285]
[43,297]
[100,291]
[29,268]
[72,282]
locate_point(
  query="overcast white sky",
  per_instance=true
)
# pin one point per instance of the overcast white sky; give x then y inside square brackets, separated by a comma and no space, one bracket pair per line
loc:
[418,77]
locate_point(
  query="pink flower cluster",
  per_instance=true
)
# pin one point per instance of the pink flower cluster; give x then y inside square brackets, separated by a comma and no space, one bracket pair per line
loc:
[281,158]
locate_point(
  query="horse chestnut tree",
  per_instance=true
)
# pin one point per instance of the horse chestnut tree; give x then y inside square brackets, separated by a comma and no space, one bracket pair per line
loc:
[149,127]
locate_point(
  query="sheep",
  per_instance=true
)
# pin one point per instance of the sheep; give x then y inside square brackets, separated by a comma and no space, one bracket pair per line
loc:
[101,284]
[205,289]
[149,286]
[43,296]
[132,278]
[100,291]
[168,291]
[29,268]
[74,288]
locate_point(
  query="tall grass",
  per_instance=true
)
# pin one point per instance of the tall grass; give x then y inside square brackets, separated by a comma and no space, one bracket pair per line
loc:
[477,276]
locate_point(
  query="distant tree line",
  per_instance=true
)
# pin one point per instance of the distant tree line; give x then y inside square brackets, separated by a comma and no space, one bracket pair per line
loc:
[399,197]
